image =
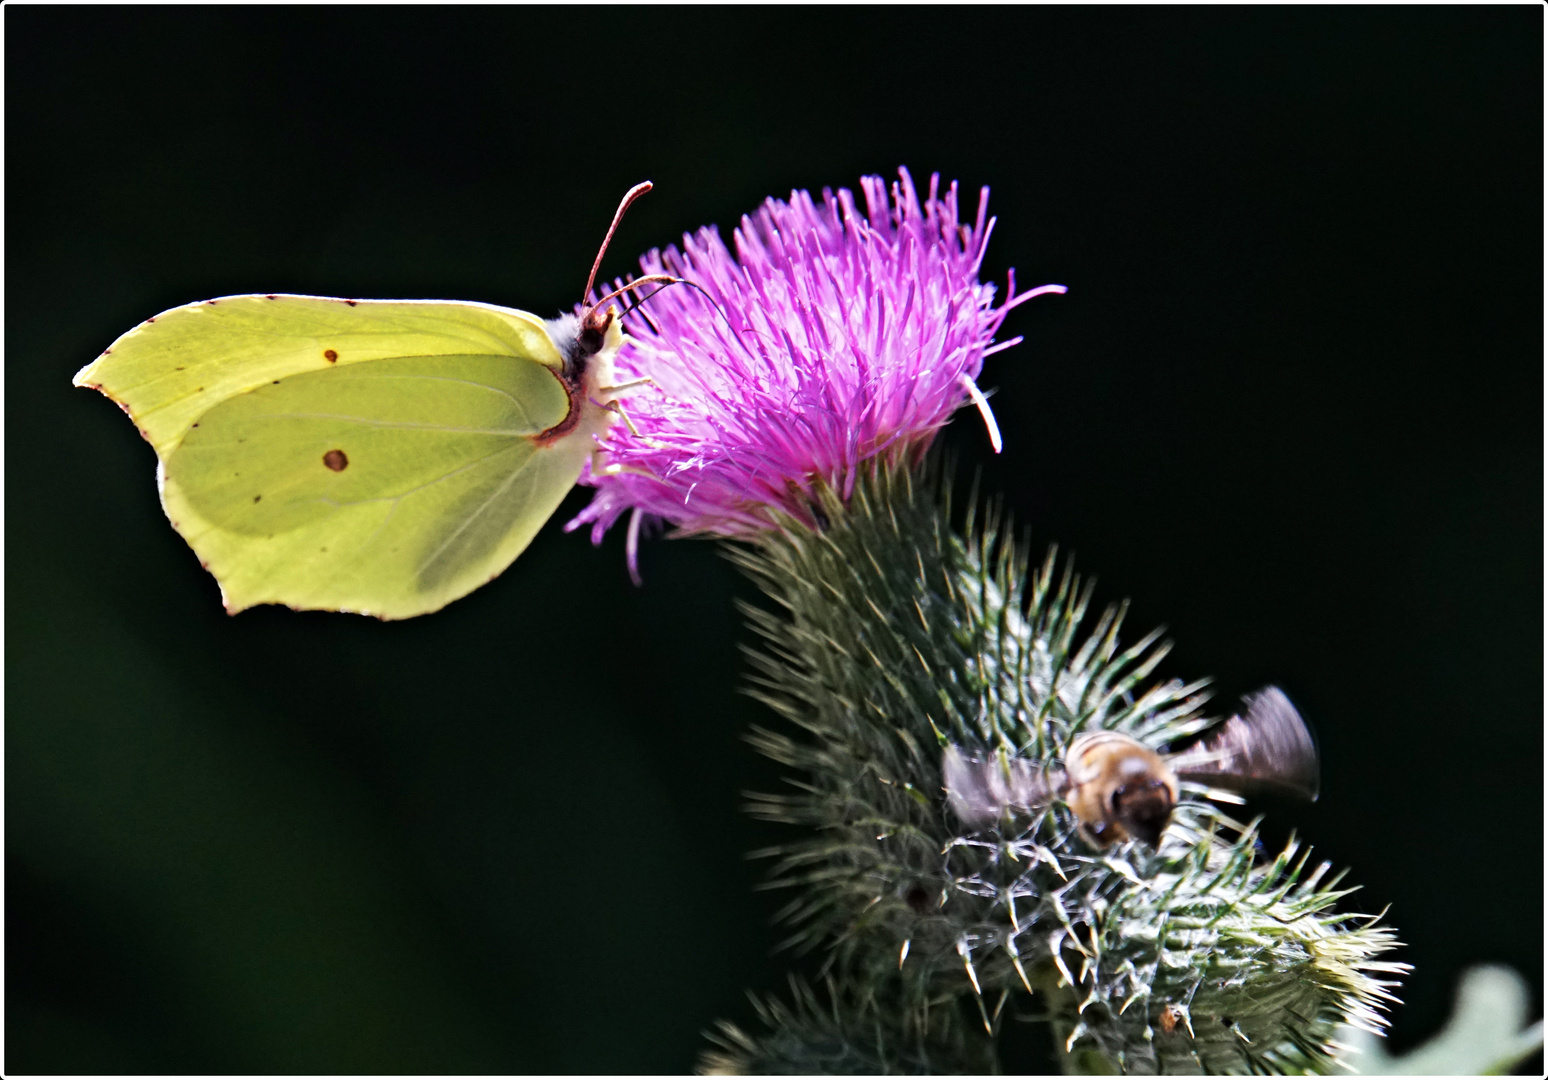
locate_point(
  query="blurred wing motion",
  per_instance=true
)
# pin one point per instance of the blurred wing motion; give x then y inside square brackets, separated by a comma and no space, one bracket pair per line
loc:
[1267,748]
[384,457]
[980,791]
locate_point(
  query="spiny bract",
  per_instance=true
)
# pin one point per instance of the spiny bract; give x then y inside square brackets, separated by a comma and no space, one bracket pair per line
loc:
[895,634]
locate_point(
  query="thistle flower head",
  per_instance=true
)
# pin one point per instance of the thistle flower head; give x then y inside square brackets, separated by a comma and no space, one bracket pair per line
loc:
[836,337]
[893,635]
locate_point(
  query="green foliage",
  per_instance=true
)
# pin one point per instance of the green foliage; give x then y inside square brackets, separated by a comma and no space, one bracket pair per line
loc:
[895,634]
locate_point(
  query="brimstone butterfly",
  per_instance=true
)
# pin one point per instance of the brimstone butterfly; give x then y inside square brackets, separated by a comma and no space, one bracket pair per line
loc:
[378,456]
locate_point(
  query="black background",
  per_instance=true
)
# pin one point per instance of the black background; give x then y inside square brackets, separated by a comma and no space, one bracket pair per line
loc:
[1292,406]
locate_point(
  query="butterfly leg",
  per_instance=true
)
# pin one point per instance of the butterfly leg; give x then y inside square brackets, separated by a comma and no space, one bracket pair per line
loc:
[599,466]
[644,380]
[615,471]
[615,407]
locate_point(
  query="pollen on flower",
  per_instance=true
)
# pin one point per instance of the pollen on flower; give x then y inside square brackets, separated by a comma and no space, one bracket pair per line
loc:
[836,337]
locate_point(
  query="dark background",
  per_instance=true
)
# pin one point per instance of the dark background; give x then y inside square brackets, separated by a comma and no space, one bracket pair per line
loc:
[1292,406]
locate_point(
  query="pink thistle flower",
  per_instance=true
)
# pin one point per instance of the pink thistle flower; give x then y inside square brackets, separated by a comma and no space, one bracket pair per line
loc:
[838,338]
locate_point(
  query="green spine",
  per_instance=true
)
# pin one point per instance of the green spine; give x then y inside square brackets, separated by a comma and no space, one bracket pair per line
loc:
[892,634]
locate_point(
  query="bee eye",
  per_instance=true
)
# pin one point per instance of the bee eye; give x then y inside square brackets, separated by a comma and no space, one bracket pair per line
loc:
[1144,811]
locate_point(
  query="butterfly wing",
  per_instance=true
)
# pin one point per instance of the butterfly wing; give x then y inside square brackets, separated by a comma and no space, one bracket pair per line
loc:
[384,457]
[1267,748]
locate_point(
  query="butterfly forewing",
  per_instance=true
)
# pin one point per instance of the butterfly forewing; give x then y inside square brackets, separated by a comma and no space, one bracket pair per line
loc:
[174,367]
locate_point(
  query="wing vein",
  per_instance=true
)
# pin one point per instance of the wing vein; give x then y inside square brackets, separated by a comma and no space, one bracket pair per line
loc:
[368,422]
[346,373]
[395,499]
[336,373]
[483,506]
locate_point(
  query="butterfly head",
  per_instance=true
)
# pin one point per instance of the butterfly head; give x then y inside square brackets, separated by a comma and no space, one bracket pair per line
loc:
[594,325]
[587,343]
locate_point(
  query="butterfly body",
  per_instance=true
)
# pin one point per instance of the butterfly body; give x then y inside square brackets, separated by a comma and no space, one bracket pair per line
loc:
[383,457]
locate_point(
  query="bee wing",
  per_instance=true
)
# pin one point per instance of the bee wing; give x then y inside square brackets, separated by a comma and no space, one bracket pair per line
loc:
[1268,747]
[980,791]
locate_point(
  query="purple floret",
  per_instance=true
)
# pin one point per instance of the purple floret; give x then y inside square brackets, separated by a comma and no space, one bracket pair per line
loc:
[838,336]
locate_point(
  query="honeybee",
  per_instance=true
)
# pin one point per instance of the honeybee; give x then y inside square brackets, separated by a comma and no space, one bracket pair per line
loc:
[1121,789]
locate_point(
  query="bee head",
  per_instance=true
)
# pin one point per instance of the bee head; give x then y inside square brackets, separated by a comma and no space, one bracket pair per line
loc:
[1143,808]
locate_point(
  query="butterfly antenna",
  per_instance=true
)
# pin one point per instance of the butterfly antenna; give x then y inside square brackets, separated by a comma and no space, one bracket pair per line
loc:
[669,281]
[665,279]
[633,193]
